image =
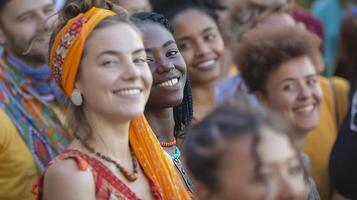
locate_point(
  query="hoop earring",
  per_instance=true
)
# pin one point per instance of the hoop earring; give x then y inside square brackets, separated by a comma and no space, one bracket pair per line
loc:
[76,98]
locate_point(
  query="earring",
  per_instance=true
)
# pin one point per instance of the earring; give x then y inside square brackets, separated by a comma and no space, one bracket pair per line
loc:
[76,98]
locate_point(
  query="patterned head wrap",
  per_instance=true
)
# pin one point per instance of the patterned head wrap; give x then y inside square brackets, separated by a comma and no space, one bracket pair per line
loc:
[68,46]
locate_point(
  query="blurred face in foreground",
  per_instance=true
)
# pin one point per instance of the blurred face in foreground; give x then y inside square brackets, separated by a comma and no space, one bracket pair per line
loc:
[278,176]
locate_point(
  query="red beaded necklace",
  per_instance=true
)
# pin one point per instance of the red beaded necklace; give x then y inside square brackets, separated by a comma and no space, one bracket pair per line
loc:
[129,176]
[168,144]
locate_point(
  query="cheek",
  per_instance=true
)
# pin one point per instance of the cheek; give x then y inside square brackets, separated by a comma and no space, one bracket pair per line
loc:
[282,101]
[187,58]
[219,46]
[147,76]
[93,78]
[317,94]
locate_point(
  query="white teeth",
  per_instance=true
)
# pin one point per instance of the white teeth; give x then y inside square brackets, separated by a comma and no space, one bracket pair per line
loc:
[305,109]
[169,83]
[129,92]
[206,63]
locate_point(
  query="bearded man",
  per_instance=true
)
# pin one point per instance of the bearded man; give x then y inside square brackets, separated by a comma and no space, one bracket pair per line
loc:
[31,130]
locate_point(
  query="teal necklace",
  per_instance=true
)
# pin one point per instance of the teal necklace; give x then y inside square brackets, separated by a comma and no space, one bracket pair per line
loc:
[177,154]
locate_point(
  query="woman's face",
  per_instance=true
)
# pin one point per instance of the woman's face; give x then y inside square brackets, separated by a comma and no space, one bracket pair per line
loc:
[293,90]
[167,66]
[201,45]
[280,168]
[114,77]
[280,175]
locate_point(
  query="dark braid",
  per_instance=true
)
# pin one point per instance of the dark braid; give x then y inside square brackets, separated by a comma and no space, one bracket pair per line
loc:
[183,113]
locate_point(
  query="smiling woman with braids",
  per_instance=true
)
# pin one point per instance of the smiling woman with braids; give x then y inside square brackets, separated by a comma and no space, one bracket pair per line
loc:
[169,108]
[99,61]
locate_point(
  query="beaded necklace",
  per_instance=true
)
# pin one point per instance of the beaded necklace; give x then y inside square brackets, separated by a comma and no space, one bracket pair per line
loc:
[129,176]
[32,115]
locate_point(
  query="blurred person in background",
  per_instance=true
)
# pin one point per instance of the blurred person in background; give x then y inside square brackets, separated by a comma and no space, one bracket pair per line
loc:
[284,79]
[134,6]
[320,140]
[31,104]
[343,161]
[236,152]
[346,59]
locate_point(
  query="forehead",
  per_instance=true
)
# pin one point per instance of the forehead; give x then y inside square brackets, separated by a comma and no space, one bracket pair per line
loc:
[184,25]
[277,19]
[132,3]
[18,7]
[296,67]
[154,34]
[274,147]
[120,37]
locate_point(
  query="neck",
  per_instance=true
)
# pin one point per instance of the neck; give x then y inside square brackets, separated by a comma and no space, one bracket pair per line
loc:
[162,122]
[203,98]
[109,137]
[299,137]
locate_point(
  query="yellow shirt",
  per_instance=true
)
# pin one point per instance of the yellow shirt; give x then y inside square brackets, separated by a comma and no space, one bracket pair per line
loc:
[18,170]
[319,142]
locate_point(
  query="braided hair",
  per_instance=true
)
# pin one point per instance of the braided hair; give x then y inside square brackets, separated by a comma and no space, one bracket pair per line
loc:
[183,113]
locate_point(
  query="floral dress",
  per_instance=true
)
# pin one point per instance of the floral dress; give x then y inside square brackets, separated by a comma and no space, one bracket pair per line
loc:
[107,185]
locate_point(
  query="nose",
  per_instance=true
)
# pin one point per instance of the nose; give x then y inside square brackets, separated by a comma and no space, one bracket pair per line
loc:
[45,21]
[305,92]
[164,65]
[287,190]
[131,71]
[202,48]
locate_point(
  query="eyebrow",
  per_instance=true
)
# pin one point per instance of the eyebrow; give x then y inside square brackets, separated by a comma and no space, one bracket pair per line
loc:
[115,53]
[138,51]
[169,43]
[164,45]
[208,29]
[110,52]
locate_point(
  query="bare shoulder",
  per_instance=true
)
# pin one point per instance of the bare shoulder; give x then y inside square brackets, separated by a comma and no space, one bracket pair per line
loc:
[64,180]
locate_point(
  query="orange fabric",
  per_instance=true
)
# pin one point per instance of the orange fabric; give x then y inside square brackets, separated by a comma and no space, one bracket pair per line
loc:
[65,55]
[73,52]
[152,159]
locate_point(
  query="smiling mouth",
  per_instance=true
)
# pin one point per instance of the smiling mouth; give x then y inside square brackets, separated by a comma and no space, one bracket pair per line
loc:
[129,92]
[169,83]
[206,64]
[305,109]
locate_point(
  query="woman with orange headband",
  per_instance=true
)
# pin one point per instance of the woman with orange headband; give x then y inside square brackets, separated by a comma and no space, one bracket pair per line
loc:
[98,59]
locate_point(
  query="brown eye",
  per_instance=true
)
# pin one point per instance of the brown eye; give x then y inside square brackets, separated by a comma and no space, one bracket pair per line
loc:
[108,63]
[311,82]
[210,37]
[289,87]
[184,46]
[295,170]
[139,60]
[171,53]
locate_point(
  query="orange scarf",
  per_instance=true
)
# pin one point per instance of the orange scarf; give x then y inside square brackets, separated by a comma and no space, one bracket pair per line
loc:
[65,59]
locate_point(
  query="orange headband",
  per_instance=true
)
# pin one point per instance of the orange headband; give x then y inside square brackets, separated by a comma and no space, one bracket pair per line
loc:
[67,48]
